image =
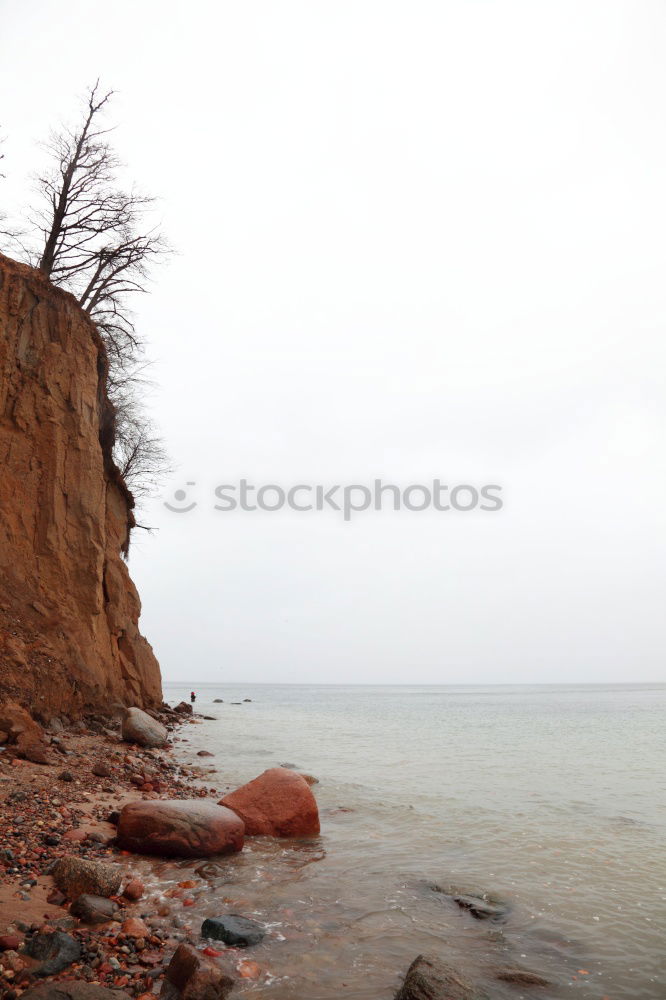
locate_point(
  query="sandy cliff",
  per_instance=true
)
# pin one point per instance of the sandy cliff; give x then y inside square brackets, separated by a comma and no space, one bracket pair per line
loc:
[69,612]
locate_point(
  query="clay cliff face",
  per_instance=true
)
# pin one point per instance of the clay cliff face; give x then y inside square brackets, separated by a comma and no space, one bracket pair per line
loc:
[69,637]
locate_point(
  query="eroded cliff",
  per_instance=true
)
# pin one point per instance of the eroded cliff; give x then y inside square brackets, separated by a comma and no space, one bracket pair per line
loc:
[69,612]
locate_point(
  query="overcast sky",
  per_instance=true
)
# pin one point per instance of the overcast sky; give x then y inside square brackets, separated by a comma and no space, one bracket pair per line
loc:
[415,240]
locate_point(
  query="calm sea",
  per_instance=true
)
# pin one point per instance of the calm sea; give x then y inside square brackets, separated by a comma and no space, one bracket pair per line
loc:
[550,798]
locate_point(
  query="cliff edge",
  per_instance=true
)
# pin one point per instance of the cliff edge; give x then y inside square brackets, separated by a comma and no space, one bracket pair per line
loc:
[69,612]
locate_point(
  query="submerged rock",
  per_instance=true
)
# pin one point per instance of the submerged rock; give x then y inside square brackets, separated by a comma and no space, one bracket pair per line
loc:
[79,876]
[139,727]
[236,931]
[278,803]
[192,976]
[179,828]
[429,979]
[93,909]
[55,950]
[482,907]
[519,976]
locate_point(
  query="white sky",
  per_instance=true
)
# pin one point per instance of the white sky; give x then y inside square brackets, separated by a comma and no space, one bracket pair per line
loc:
[416,240]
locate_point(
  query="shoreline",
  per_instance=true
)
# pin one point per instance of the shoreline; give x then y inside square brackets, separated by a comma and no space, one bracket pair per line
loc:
[64,807]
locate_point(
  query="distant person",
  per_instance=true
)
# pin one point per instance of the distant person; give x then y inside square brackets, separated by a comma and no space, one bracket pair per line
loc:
[193,697]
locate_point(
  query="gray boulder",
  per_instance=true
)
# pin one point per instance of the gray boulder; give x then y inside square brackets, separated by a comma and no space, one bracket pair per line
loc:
[238,932]
[139,727]
[54,950]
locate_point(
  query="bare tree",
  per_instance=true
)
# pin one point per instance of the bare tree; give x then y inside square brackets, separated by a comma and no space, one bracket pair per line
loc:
[139,450]
[95,240]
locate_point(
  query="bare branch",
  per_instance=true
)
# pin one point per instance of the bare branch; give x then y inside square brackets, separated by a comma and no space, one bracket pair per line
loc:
[95,240]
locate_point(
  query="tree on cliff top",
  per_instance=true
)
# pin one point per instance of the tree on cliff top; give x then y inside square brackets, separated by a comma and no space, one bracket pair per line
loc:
[94,239]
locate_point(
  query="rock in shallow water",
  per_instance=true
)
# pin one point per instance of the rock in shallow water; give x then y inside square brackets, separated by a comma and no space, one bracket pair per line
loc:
[139,727]
[482,907]
[54,950]
[239,932]
[429,979]
[278,803]
[78,876]
[192,976]
[519,976]
[179,828]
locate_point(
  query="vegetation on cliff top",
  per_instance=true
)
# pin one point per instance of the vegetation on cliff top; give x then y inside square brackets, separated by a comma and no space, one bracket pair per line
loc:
[91,235]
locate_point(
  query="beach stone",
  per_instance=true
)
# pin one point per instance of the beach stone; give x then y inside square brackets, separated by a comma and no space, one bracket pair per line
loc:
[429,979]
[192,976]
[278,803]
[239,932]
[79,876]
[179,828]
[101,770]
[55,950]
[93,909]
[34,752]
[134,889]
[482,907]
[9,942]
[135,927]
[19,724]
[520,977]
[184,708]
[218,701]
[73,990]
[139,727]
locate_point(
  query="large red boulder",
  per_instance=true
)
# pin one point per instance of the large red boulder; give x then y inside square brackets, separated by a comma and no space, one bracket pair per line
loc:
[179,828]
[278,803]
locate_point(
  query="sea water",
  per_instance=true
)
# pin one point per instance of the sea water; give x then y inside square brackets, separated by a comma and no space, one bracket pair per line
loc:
[550,799]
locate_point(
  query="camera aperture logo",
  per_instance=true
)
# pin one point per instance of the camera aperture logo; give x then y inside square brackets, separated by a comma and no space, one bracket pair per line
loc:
[348,501]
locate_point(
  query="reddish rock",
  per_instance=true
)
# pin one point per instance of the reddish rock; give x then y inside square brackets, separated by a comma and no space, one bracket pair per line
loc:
[179,828]
[9,942]
[278,803]
[76,836]
[18,724]
[134,927]
[133,890]
[37,753]
[192,976]
[249,970]
[184,708]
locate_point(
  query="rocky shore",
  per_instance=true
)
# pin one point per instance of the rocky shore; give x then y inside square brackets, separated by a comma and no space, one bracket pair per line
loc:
[113,848]
[82,804]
